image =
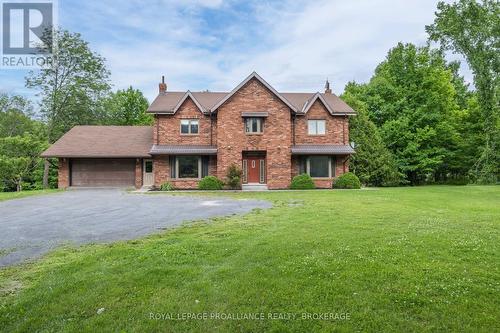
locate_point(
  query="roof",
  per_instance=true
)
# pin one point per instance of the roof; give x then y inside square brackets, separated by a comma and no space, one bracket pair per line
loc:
[170,101]
[183,150]
[104,142]
[322,149]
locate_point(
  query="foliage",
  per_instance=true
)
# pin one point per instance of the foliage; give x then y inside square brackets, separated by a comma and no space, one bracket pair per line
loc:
[4,196]
[472,28]
[70,88]
[412,100]
[234,176]
[167,186]
[15,116]
[373,163]
[347,180]
[19,157]
[127,107]
[210,183]
[423,257]
[302,182]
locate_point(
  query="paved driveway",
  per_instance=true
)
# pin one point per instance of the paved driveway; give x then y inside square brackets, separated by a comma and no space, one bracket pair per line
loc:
[31,226]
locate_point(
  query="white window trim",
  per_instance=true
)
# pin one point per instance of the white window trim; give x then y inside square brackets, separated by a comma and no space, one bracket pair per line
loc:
[177,168]
[308,168]
[189,126]
[260,125]
[315,121]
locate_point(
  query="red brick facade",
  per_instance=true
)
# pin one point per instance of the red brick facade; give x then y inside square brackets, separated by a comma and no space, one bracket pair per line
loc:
[225,129]
[63,173]
[221,139]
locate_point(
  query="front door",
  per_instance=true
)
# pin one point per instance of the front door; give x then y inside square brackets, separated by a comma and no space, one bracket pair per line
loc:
[254,170]
[148,179]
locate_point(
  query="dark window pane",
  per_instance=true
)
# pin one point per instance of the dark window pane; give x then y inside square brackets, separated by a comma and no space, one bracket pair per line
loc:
[185,126]
[204,166]
[255,125]
[149,166]
[172,167]
[188,166]
[194,126]
[302,165]
[318,166]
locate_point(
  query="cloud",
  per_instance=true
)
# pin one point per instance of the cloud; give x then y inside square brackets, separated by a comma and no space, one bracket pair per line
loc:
[214,44]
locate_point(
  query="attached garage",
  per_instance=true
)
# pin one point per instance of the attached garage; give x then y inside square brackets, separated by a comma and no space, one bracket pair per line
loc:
[102,172]
[104,156]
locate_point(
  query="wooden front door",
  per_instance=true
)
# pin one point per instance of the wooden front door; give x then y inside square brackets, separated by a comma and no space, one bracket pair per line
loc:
[254,170]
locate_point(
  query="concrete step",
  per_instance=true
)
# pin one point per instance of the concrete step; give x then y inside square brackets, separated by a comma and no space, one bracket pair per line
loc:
[254,187]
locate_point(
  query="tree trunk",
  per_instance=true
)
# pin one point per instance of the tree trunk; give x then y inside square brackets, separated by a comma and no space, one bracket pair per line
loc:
[46,166]
[18,186]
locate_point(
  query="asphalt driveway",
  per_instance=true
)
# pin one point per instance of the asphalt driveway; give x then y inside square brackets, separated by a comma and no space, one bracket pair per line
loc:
[31,226]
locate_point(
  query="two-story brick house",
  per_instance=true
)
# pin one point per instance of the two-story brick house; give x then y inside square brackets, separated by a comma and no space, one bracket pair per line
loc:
[271,136]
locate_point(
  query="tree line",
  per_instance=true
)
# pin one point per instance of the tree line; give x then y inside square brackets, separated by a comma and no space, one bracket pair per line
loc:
[418,121]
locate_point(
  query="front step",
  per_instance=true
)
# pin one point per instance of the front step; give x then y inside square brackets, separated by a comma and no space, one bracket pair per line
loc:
[254,187]
[145,188]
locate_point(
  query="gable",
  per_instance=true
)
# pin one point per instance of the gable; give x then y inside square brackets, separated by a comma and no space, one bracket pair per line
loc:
[253,77]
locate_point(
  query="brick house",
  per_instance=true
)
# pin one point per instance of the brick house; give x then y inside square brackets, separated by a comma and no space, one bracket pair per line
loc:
[271,136]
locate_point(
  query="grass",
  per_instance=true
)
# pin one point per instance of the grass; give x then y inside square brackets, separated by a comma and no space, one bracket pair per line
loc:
[397,259]
[17,195]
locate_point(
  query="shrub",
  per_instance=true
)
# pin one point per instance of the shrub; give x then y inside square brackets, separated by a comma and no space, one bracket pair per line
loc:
[210,183]
[167,186]
[302,182]
[347,180]
[234,176]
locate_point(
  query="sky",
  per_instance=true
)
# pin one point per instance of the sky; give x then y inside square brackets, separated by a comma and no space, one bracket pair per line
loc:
[294,45]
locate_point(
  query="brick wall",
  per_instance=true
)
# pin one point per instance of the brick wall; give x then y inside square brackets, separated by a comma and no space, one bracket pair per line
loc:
[63,173]
[340,165]
[169,126]
[275,140]
[138,173]
[337,127]
[161,170]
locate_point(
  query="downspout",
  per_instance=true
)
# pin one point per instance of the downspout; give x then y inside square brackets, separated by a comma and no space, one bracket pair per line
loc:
[343,132]
[293,129]
[157,129]
[211,129]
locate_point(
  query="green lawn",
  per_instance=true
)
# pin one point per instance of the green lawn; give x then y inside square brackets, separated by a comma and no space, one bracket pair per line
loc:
[397,259]
[16,195]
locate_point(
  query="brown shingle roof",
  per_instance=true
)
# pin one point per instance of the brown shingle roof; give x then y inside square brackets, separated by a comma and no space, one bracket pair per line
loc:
[103,141]
[168,101]
[322,149]
[183,150]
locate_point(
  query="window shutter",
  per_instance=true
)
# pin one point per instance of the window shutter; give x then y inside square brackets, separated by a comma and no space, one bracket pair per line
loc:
[204,166]
[172,167]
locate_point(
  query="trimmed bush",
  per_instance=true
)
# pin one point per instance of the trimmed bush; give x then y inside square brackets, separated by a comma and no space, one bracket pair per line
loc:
[210,183]
[348,180]
[233,177]
[302,182]
[167,186]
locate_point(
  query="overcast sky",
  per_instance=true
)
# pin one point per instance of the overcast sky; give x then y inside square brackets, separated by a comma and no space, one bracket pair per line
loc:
[214,44]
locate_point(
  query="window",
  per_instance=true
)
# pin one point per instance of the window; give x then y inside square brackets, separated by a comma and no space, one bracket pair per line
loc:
[189,166]
[253,125]
[189,126]
[316,127]
[148,165]
[318,166]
